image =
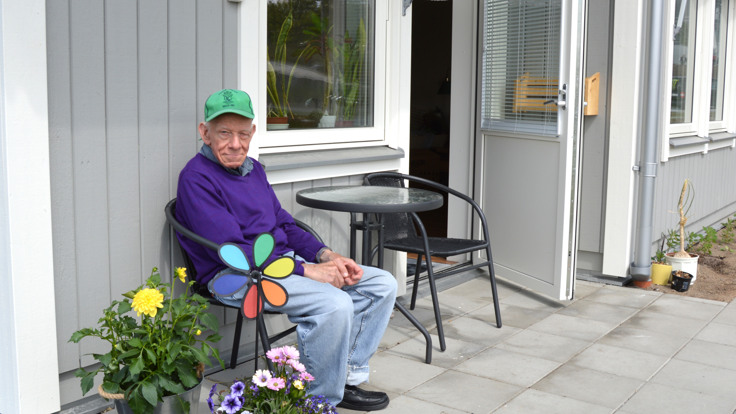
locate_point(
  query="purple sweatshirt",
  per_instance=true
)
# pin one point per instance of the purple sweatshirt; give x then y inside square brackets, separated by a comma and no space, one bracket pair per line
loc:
[225,207]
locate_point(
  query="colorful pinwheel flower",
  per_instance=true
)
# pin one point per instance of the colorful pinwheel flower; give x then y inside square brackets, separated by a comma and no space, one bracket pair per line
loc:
[252,278]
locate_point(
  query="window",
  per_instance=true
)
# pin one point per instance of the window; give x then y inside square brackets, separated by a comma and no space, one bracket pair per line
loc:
[521,52]
[701,53]
[324,78]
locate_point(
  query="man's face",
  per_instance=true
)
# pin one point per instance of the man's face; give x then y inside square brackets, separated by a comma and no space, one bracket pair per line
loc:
[229,137]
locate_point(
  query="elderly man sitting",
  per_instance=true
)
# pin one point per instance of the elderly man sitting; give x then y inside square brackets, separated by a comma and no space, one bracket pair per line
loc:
[341,308]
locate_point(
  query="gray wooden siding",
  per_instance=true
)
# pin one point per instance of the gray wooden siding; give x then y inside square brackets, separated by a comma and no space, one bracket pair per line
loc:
[127,81]
[714,178]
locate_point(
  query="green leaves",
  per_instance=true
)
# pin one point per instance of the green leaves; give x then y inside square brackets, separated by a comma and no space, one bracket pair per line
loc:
[87,379]
[210,322]
[151,357]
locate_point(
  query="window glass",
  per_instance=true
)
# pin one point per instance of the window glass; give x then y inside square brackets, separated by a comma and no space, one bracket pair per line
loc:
[683,62]
[719,60]
[521,53]
[320,71]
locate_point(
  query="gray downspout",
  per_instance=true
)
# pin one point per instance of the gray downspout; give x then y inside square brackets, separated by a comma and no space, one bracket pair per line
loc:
[647,168]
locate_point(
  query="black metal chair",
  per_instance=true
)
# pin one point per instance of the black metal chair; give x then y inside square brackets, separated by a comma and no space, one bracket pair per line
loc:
[405,232]
[266,340]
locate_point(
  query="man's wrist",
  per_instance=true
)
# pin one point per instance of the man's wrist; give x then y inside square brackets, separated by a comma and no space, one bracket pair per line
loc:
[320,253]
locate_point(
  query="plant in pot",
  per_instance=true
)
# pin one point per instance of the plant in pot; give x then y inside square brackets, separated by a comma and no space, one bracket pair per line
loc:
[683,264]
[350,59]
[321,44]
[661,271]
[155,354]
[285,390]
[279,74]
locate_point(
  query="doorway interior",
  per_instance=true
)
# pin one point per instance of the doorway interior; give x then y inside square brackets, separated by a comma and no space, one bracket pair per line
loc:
[429,152]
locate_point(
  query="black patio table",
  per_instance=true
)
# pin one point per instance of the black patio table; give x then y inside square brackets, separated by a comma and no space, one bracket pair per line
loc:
[376,200]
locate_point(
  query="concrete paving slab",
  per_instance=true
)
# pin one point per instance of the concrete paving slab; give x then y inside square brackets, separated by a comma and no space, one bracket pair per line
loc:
[629,297]
[509,367]
[544,345]
[590,386]
[644,340]
[694,308]
[619,361]
[573,327]
[709,353]
[705,379]
[539,402]
[659,398]
[719,333]
[465,392]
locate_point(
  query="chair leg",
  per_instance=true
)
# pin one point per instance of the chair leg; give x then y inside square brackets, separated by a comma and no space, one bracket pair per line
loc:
[263,333]
[236,340]
[494,291]
[436,305]
[416,282]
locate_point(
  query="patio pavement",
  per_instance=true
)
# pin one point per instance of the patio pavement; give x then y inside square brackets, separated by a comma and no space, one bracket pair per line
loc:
[611,350]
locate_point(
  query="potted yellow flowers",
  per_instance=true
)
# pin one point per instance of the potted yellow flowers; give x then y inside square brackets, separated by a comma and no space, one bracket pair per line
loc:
[157,351]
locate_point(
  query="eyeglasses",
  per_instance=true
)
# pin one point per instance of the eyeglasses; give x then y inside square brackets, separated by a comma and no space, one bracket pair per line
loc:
[227,135]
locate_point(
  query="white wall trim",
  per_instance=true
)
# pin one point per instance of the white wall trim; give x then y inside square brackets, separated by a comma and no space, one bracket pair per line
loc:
[626,69]
[462,113]
[29,378]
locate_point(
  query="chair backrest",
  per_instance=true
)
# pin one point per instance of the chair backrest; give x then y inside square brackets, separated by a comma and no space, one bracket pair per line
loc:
[396,179]
[396,225]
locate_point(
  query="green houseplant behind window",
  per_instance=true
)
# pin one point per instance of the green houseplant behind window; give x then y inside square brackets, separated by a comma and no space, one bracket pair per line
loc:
[320,70]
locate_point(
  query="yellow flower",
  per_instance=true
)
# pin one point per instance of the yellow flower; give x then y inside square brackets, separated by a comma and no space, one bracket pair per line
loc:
[298,384]
[181,273]
[199,332]
[147,301]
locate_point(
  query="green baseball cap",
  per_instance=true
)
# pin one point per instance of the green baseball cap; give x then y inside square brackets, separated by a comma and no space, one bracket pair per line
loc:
[228,101]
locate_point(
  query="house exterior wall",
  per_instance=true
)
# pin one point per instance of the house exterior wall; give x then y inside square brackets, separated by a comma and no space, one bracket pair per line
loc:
[712,176]
[126,84]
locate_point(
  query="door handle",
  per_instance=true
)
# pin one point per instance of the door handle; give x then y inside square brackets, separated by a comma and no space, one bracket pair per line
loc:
[562,101]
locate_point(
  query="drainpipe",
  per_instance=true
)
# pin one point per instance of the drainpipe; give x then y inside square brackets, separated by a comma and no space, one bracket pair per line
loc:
[647,168]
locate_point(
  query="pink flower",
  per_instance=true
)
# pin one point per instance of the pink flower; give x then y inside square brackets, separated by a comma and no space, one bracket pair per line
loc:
[276,383]
[305,376]
[289,352]
[298,366]
[275,355]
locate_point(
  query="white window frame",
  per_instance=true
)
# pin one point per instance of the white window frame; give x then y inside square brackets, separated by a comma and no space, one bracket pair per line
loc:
[700,128]
[253,34]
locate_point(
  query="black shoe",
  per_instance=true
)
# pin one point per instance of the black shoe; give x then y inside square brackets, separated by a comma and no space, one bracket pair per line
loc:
[361,400]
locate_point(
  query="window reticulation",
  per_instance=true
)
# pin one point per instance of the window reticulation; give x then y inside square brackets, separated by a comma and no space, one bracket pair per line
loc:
[320,71]
[683,63]
[521,49]
[700,57]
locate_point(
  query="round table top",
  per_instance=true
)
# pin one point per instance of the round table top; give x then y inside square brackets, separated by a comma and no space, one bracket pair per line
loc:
[369,199]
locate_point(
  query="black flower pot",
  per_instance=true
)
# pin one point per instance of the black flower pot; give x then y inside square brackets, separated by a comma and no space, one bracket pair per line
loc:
[681,280]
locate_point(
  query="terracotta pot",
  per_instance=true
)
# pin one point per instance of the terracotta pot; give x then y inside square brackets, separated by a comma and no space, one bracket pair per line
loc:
[344,124]
[275,123]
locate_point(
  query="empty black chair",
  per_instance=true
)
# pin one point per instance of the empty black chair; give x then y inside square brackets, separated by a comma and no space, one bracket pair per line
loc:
[405,232]
[203,291]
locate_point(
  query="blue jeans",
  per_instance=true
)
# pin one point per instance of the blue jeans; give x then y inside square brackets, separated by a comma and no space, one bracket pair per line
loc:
[338,330]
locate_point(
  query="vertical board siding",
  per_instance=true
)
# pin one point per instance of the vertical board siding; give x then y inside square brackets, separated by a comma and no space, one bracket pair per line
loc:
[713,176]
[121,117]
[153,142]
[89,153]
[127,82]
[62,184]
